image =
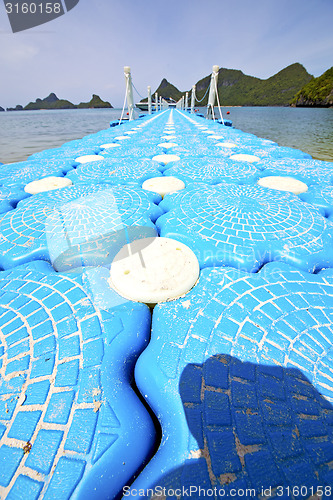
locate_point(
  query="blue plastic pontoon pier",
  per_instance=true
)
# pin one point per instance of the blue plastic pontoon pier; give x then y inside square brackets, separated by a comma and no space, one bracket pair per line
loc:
[225,388]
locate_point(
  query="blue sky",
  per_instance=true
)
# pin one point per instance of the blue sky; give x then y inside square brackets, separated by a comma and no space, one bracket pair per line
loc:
[84,51]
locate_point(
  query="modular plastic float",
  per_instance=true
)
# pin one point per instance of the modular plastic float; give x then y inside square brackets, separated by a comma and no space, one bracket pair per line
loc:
[239,373]
[9,198]
[46,225]
[230,386]
[66,394]
[111,167]
[21,173]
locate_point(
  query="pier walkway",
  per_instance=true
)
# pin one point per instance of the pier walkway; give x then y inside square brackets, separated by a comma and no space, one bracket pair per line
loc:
[166,313]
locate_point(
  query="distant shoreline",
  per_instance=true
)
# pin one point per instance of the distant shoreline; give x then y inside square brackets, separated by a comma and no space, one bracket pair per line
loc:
[26,133]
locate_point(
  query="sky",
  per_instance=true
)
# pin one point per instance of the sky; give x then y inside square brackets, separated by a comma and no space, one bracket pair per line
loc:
[84,51]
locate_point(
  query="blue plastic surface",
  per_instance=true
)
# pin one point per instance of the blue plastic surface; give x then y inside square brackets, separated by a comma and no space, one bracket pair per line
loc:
[21,173]
[48,224]
[246,227]
[308,170]
[320,196]
[239,370]
[213,170]
[116,170]
[9,198]
[72,427]
[236,372]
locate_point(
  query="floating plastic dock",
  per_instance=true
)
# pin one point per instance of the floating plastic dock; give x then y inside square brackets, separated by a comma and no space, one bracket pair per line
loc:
[166,317]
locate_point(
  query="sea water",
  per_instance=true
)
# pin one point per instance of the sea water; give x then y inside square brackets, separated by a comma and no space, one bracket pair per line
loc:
[23,133]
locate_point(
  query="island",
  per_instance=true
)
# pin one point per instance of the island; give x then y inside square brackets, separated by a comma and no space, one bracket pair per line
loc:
[17,108]
[317,93]
[95,102]
[238,89]
[53,102]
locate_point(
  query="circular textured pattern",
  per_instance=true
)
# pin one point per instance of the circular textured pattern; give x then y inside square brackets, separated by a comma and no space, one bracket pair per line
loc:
[244,157]
[132,151]
[88,158]
[47,224]
[246,366]
[47,184]
[22,173]
[225,229]
[153,270]
[309,171]
[283,184]
[165,159]
[213,169]
[115,168]
[56,403]
[163,185]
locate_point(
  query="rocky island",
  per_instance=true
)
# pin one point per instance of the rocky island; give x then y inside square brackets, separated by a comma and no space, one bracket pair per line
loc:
[53,102]
[292,86]
[317,93]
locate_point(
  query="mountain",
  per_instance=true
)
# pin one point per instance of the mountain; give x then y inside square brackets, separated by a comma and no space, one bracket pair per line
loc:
[17,108]
[1,109]
[95,102]
[237,89]
[50,102]
[166,90]
[318,92]
[53,102]
[51,98]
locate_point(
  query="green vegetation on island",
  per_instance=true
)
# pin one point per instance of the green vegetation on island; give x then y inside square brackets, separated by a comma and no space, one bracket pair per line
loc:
[318,92]
[237,89]
[95,102]
[17,108]
[50,102]
[166,90]
[53,102]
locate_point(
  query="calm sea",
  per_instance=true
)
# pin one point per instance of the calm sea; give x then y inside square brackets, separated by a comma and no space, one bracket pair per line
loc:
[25,132]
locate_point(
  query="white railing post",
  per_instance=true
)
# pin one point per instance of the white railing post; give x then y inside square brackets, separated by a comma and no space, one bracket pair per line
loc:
[212,93]
[129,92]
[156,102]
[193,99]
[160,103]
[149,100]
[186,101]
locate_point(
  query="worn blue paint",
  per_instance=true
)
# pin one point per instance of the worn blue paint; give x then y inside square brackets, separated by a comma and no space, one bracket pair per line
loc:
[238,371]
